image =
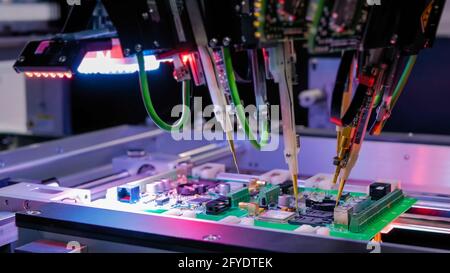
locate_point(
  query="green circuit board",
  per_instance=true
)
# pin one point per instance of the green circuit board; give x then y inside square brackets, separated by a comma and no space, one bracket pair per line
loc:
[395,204]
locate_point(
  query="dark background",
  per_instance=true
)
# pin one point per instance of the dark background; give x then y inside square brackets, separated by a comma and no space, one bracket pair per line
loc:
[100,101]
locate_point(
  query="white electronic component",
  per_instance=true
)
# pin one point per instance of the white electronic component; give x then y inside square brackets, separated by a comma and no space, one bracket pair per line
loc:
[247,221]
[151,188]
[111,194]
[208,170]
[305,229]
[189,214]
[341,215]
[323,231]
[224,189]
[231,220]
[276,176]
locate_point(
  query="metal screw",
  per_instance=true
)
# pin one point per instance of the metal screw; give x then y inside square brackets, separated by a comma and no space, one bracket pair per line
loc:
[226,41]
[145,16]
[21,59]
[406,157]
[138,48]
[156,43]
[126,52]
[62,59]
[213,42]
[394,39]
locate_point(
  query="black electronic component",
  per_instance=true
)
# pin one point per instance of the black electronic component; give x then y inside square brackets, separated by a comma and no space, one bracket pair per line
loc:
[324,206]
[310,203]
[200,187]
[313,217]
[218,205]
[286,187]
[307,220]
[379,190]
[158,25]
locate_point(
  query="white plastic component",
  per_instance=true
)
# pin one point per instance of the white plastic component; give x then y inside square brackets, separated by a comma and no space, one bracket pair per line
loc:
[323,231]
[305,229]
[189,214]
[276,176]
[341,215]
[308,98]
[247,221]
[151,188]
[231,220]
[208,170]
[111,194]
[173,212]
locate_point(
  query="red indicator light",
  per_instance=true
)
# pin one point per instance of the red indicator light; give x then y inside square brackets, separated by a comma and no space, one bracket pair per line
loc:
[49,75]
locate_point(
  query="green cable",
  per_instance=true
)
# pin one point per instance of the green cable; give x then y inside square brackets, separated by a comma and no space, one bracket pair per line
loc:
[377,101]
[403,80]
[240,108]
[149,104]
[401,84]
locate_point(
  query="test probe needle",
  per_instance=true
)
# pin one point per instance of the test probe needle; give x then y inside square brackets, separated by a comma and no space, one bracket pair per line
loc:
[233,152]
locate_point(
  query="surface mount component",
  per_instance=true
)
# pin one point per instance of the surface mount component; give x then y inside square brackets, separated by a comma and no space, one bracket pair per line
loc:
[313,217]
[218,205]
[128,194]
[359,220]
[242,195]
[379,190]
[276,216]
